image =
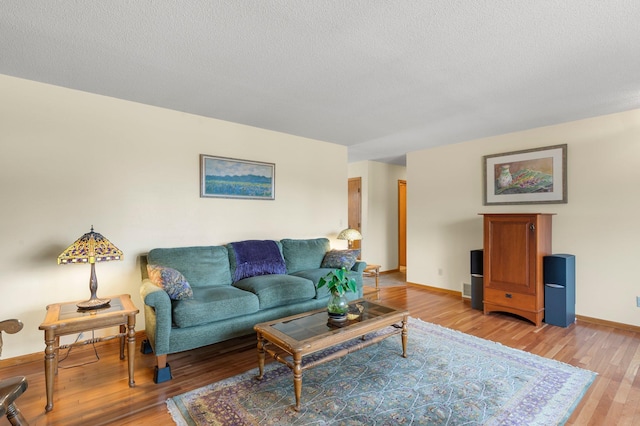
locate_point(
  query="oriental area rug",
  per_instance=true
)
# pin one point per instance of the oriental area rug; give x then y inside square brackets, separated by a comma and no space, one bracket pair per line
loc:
[448,378]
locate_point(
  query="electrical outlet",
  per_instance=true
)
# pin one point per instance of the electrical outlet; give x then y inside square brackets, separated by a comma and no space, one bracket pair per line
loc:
[638,301]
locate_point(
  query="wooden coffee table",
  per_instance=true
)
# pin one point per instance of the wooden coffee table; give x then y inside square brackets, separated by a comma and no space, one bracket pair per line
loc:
[290,339]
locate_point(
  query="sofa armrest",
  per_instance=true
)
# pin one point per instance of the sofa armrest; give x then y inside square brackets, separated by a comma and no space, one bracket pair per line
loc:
[359,266]
[157,316]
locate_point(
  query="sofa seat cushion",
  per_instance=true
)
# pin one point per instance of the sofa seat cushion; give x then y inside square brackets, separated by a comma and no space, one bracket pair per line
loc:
[300,255]
[213,303]
[278,290]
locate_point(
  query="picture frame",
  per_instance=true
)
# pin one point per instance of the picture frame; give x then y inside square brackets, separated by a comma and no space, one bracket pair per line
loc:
[532,176]
[222,177]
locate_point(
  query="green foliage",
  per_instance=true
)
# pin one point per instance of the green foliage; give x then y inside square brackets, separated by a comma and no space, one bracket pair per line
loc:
[339,282]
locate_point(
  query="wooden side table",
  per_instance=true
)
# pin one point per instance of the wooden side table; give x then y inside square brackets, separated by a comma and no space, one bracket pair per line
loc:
[65,318]
[373,270]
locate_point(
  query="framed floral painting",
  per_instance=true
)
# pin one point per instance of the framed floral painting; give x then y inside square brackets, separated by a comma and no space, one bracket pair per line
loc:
[533,176]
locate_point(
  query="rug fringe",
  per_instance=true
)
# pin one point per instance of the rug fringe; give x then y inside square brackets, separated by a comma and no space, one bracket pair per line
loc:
[176,415]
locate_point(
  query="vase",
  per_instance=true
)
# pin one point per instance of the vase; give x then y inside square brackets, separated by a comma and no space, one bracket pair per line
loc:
[338,306]
[505,177]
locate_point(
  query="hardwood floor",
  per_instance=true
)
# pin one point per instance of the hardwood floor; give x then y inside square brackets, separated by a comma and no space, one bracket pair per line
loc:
[98,393]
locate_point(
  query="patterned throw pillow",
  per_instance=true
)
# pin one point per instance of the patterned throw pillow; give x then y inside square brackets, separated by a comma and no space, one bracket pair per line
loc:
[171,281]
[340,259]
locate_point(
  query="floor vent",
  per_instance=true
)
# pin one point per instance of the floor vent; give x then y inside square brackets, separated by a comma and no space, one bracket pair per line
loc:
[466,290]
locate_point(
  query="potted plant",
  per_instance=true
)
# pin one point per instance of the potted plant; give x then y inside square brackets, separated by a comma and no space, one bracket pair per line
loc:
[338,283]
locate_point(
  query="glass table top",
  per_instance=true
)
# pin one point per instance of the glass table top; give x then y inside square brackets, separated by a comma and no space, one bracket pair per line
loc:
[318,323]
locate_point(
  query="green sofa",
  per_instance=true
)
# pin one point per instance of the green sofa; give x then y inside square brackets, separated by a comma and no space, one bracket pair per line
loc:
[224,304]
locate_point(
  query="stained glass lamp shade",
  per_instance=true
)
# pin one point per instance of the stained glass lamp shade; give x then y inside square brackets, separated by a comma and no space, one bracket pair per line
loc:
[92,247]
[350,235]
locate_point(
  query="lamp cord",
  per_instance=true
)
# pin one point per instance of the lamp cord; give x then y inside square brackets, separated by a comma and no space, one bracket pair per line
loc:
[95,351]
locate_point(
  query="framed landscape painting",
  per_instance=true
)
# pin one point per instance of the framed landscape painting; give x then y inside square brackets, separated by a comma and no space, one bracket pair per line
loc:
[533,176]
[232,178]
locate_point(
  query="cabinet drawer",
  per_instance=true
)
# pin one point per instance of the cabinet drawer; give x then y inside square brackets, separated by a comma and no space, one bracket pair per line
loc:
[510,299]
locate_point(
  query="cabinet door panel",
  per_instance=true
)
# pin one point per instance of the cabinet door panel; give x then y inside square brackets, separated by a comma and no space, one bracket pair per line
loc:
[511,245]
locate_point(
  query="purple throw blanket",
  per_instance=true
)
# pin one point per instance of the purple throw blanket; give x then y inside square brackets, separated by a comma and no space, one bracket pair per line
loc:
[255,257]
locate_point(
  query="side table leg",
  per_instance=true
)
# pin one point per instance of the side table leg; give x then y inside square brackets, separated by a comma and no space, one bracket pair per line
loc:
[260,357]
[405,335]
[56,355]
[297,379]
[123,330]
[49,366]
[131,348]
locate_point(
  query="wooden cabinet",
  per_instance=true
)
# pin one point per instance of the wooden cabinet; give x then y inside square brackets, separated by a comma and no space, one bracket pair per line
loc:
[514,248]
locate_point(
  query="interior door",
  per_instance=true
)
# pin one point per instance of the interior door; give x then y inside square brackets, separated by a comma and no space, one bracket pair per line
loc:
[355,206]
[402,224]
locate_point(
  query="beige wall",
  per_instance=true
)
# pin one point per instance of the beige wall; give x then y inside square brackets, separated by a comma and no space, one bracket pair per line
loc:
[599,225]
[70,160]
[379,211]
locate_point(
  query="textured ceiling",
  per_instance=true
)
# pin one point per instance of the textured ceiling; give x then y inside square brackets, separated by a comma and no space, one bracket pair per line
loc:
[381,77]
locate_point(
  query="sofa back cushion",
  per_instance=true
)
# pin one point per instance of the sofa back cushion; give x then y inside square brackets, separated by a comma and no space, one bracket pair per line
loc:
[300,255]
[201,266]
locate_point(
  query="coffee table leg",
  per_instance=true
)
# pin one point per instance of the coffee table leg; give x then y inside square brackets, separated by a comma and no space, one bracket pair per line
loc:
[405,334]
[260,357]
[297,379]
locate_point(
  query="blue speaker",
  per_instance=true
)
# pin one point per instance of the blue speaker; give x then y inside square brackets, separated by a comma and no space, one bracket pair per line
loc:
[560,289]
[476,262]
[477,280]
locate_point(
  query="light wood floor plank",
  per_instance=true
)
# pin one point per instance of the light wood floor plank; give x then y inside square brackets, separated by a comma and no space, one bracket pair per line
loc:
[98,393]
